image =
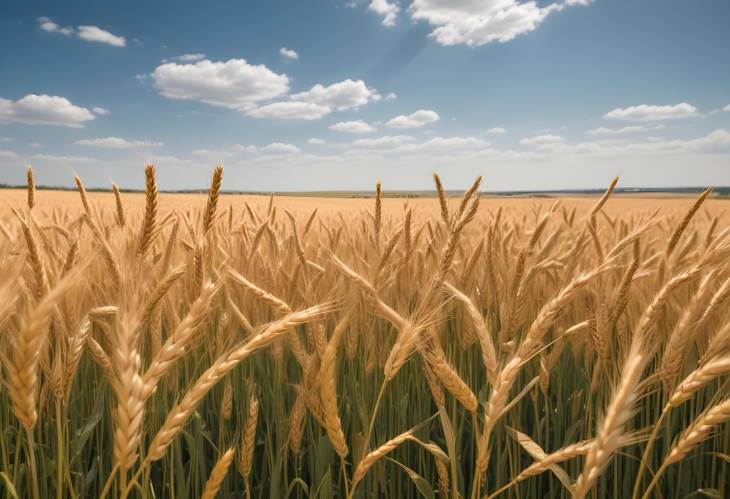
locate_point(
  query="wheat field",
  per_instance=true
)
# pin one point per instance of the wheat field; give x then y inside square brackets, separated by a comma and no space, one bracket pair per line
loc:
[157,345]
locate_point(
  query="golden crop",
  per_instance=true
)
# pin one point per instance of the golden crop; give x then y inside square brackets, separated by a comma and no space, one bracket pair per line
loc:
[465,347]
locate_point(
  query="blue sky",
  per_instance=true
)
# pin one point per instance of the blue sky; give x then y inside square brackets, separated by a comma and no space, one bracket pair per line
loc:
[332,94]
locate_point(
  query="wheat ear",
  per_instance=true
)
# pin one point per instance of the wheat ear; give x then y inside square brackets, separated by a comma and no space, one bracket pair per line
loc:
[179,414]
[180,339]
[121,219]
[129,388]
[691,437]
[213,194]
[699,378]
[248,441]
[217,475]
[22,365]
[328,394]
[618,413]
[82,193]
[371,458]
[31,187]
[150,214]
[685,220]
[489,355]
[442,198]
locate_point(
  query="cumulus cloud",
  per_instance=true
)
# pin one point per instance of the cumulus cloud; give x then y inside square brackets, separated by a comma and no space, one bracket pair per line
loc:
[445,144]
[408,145]
[346,94]
[49,26]
[96,34]
[234,84]
[100,111]
[316,142]
[385,142]
[645,112]
[497,130]
[715,141]
[288,53]
[542,140]
[116,143]
[418,119]
[61,159]
[244,149]
[279,148]
[290,110]
[391,96]
[44,109]
[319,101]
[358,126]
[726,108]
[477,23]
[624,130]
[388,10]
[88,33]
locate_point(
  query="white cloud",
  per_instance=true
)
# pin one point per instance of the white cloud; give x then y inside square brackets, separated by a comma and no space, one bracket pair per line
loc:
[385,142]
[35,145]
[210,152]
[542,140]
[342,95]
[389,10]
[319,101]
[446,144]
[279,148]
[717,141]
[62,160]
[234,84]
[116,143]
[49,26]
[714,141]
[497,130]
[244,149]
[624,130]
[186,58]
[288,53]
[407,145]
[358,126]
[44,110]
[418,119]
[96,34]
[88,33]
[8,154]
[476,23]
[726,108]
[316,142]
[644,113]
[290,110]
[236,151]
[391,96]
[100,111]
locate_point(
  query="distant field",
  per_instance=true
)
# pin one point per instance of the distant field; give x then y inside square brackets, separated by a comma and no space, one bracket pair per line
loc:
[620,203]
